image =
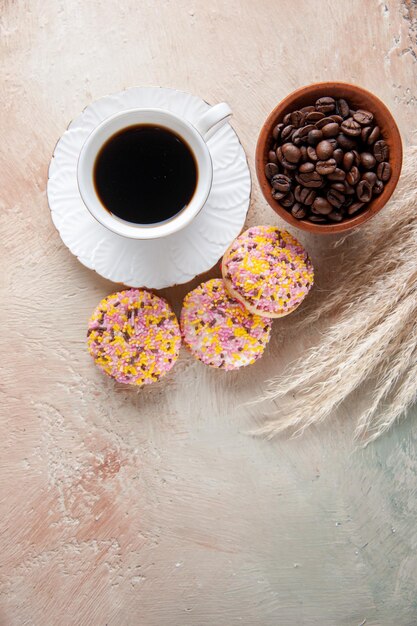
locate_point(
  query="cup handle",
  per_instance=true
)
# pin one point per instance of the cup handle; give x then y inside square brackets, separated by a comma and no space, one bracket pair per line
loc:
[213,120]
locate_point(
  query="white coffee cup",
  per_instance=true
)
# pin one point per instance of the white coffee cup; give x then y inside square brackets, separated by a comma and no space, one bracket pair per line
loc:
[194,135]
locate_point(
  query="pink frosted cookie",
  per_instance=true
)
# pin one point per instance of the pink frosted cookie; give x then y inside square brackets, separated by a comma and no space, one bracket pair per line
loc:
[219,331]
[268,270]
[134,337]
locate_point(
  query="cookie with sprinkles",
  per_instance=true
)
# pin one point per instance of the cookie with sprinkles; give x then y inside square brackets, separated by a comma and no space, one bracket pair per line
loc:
[268,270]
[134,337]
[219,331]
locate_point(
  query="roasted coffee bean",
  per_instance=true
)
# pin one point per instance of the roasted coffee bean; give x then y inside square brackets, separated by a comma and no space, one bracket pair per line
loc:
[312,154]
[277,131]
[308,109]
[304,195]
[333,142]
[365,132]
[381,150]
[378,187]
[347,202]
[350,127]
[272,157]
[323,122]
[338,155]
[324,150]
[288,200]
[384,171]
[355,207]
[298,211]
[277,195]
[374,135]
[288,166]
[271,169]
[287,118]
[335,216]
[309,197]
[306,167]
[364,118]
[368,161]
[314,136]
[336,198]
[357,158]
[343,108]
[325,104]
[309,179]
[348,160]
[315,116]
[286,132]
[281,182]
[370,177]
[295,138]
[326,167]
[291,153]
[303,150]
[364,191]
[338,174]
[297,193]
[330,130]
[336,118]
[321,206]
[353,176]
[297,118]
[285,164]
[317,218]
[338,187]
[304,131]
[345,142]
[349,190]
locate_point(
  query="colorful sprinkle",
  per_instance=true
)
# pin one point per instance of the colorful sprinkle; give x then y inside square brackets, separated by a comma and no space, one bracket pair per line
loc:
[219,331]
[134,337]
[269,269]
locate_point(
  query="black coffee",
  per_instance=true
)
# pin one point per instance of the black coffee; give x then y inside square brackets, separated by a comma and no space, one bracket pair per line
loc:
[145,174]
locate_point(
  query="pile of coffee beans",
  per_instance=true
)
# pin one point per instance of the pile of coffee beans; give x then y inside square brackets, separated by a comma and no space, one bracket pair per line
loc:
[326,161]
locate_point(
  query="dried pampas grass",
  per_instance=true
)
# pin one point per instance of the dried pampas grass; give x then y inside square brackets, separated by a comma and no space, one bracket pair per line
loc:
[371,332]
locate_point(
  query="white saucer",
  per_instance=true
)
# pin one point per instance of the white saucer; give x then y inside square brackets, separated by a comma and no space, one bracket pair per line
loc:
[162,262]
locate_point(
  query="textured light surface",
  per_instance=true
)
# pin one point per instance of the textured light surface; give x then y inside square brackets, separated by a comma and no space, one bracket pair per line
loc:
[153,507]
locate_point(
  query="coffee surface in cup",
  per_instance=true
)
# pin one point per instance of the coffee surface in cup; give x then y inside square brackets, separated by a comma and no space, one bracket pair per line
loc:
[145,174]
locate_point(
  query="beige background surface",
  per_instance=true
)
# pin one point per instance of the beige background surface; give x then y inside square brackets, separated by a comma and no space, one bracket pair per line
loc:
[154,508]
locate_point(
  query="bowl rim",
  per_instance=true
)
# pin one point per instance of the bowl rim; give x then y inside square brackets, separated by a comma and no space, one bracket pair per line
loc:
[380,110]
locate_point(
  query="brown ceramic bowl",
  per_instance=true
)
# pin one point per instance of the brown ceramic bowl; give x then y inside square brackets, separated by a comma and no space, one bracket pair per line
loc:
[359,98]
